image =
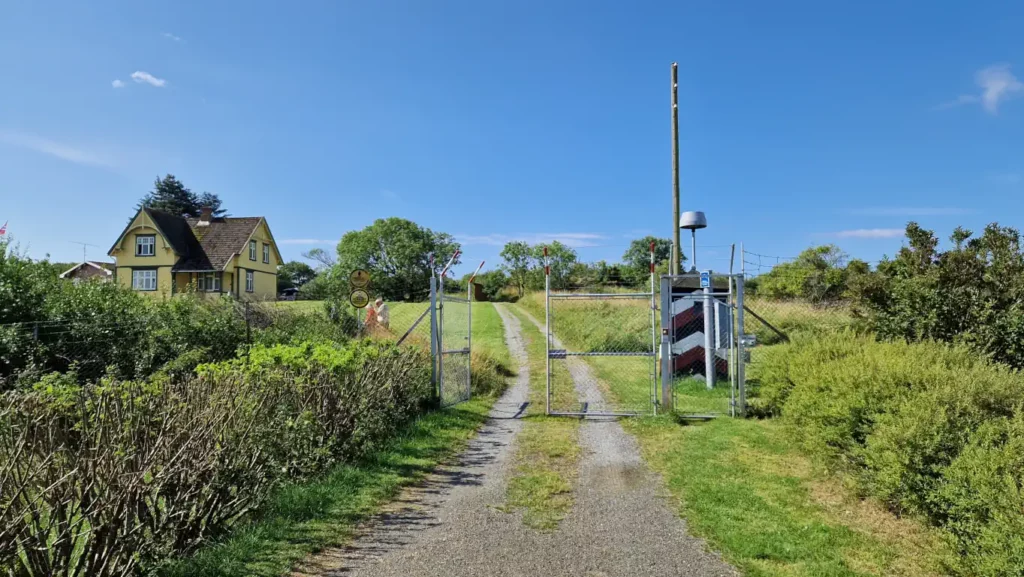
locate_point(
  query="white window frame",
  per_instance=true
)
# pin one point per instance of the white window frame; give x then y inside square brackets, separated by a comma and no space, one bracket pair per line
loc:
[208,282]
[252,250]
[150,242]
[266,253]
[250,281]
[144,280]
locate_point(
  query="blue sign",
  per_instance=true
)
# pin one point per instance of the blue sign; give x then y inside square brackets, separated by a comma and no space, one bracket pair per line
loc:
[705,279]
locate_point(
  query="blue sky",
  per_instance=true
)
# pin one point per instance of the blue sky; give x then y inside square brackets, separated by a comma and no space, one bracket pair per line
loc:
[801,122]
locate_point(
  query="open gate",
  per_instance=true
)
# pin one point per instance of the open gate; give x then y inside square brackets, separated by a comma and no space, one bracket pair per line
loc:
[454,345]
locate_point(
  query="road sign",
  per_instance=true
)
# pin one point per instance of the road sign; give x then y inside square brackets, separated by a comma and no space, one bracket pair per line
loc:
[359,298]
[705,279]
[359,278]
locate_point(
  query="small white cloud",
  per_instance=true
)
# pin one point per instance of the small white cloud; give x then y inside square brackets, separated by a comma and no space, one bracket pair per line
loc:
[997,85]
[56,149]
[571,239]
[171,36]
[306,241]
[870,233]
[911,211]
[117,84]
[146,77]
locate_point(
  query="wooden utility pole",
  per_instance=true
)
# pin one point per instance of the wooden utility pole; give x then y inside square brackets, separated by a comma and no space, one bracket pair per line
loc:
[676,251]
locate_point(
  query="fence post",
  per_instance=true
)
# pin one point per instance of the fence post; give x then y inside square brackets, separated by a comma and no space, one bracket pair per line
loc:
[434,356]
[469,337]
[741,357]
[666,344]
[547,331]
[709,342]
[35,331]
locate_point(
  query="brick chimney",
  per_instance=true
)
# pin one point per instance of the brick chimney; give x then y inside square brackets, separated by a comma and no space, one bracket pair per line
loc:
[206,213]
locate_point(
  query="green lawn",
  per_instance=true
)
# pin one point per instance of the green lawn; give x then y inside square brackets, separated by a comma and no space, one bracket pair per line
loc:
[304,518]
[743,486]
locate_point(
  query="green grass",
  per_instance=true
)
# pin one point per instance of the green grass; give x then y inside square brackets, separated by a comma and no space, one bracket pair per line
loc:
[547,449]
[489,333]
[301,306]
[744,487]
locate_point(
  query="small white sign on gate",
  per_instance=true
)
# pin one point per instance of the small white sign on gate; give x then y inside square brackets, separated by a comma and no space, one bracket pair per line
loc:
[705,279]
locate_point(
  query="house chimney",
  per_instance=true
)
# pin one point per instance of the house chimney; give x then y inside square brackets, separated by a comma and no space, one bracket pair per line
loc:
[206,213]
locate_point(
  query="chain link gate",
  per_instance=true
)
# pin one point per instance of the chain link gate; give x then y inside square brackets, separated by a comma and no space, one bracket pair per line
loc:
[703,355]
[601,351]
[453,360]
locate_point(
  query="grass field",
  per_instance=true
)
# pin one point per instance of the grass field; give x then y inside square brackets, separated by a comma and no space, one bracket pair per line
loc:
[547,449]
[303,518]
[744,487]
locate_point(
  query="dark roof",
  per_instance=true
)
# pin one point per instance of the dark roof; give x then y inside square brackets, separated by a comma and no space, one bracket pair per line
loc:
[200,248]
[218,241]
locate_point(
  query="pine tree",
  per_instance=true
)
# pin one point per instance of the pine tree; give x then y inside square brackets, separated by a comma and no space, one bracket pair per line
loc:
[170,195]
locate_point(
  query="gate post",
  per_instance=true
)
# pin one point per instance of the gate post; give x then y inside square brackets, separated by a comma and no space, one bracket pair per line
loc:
[435,357]
[709,343]
[741,355]
[666,344]
[547,330]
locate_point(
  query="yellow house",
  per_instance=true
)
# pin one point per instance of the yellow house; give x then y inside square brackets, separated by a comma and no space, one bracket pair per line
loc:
[164,254]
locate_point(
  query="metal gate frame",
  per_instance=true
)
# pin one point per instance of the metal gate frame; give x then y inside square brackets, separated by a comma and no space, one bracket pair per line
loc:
[736,344]
[451,388]
[565,353]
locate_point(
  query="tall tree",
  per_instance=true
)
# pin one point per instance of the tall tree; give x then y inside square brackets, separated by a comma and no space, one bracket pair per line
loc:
[561,258]
[637,257]
[396,252]
[170,195]
[517,255]
[294,274]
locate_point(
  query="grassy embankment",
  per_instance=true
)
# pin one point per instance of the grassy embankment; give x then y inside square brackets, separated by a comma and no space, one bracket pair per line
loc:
[547,449]
[304,518]
[745,487]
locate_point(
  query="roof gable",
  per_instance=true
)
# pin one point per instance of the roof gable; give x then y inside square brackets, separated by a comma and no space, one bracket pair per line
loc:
[220,240]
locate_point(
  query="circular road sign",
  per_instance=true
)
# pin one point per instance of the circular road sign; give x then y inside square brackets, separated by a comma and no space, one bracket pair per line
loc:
[359,298]
[359,278]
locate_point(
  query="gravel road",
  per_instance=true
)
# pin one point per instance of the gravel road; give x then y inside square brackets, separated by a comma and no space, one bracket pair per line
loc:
[450,526]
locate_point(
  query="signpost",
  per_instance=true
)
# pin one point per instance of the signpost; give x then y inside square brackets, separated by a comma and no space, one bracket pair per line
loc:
[359,294]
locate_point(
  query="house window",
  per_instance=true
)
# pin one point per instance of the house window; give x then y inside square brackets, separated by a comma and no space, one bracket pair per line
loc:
[252,250]
[266,253]
[144,280]
[250,284]
[209,282]
[145,245]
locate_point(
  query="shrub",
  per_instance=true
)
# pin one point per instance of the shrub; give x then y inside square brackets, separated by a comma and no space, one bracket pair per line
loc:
[983,502]
[929,428]
[124,473]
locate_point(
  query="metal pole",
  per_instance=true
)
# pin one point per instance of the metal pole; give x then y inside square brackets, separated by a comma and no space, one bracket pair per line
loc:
[693,249]
[440,337]
[676,248]
[435,357]
[666,344]
[741,376]
[709,351]
[547,330]
[654,340]
[732,336]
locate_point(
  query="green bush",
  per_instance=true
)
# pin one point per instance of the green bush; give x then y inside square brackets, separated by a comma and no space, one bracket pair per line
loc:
[983,501]
[122,474]
[930,429]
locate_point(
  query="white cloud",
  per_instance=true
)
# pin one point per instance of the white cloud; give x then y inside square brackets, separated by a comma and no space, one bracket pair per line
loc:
[56,149]
[171,36]
[117,83]
[997,85]
[148,78]
[306,241]
[572,239]
[911,211]
[870,233]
